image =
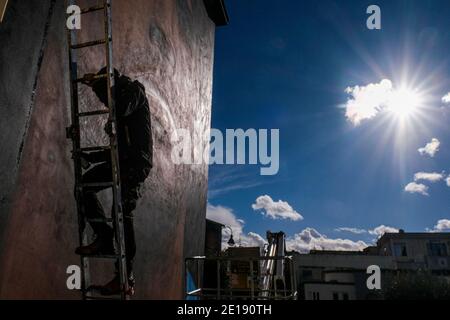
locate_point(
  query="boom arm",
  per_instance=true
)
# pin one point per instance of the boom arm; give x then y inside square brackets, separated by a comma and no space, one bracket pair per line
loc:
[273,269]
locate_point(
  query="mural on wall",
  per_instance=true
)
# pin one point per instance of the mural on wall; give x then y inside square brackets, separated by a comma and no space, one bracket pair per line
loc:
[167,46]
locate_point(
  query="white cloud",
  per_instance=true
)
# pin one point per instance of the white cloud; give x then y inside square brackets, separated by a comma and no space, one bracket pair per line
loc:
[224,216]
[308,239]
[367,101]
[448,181]
[380,230]
[428,176]
[431,148]
[417,188]
[256,239]
[311,239]
[227,217]
[351,230]
[442,225]
[276,210]
[446,98]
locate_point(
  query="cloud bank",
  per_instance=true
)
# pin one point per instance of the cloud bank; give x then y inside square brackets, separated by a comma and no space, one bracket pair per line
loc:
[227,217]
[276,209]
[351,230]
[303,242]
[311,239]
[442,225]
[381,230]
[378,231]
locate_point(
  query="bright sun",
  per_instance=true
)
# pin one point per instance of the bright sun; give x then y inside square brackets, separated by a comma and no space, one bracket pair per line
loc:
[404,102]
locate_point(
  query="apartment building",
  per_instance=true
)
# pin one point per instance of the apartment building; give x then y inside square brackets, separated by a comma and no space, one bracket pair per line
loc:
[340,275]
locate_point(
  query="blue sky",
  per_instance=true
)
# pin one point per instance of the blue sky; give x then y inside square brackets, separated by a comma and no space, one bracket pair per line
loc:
[286,65]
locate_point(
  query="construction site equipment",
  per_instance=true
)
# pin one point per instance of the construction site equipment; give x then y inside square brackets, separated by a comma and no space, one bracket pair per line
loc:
[73,133]
[273,270]
[242,273]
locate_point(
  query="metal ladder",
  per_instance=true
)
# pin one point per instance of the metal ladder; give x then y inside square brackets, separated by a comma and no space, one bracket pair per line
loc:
[273,269]
[73,133]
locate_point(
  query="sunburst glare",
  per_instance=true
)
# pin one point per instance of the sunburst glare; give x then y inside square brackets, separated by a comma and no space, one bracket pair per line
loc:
[404,102]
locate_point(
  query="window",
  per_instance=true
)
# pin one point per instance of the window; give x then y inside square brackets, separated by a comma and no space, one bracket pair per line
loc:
[3,4]
[437,249]
[400,250]
[345,296]
[315,295]
[335,296]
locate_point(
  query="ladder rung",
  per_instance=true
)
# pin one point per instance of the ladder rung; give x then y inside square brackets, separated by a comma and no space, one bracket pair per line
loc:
[96,77]
[108,220]
[87,44]
[93,113]
[92,293]
[90,149]
[97,184]
[92,9]
[103,298]
[103,256]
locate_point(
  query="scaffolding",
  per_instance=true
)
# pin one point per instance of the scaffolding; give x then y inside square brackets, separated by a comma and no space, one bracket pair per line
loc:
[239,278]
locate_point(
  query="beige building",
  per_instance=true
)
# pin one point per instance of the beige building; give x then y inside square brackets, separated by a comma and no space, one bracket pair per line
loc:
[428,251]
[340,275]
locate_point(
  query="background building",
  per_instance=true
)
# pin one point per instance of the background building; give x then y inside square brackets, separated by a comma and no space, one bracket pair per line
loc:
[165,44]
[338,275]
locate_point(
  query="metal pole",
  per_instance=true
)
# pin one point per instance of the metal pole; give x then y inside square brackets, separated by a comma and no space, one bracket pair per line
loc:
[218,280]
[198,274]
[252,286]
[294,289]
[117,199]
[74,134]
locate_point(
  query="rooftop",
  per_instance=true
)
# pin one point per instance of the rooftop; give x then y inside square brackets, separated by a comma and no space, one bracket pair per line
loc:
[414,235]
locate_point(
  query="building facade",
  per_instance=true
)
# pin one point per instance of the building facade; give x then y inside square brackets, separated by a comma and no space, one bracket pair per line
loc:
[167,45]
[340,275]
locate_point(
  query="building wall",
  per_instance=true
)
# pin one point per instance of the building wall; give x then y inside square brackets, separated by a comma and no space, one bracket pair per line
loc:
[417,250]
[18,74]
[213,238]
[342,261]
[322,272]
[165,44]
[341,277]
[325,291]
